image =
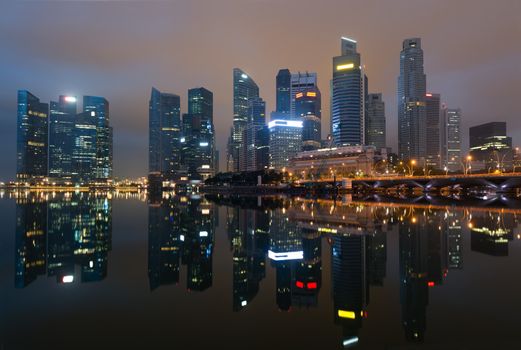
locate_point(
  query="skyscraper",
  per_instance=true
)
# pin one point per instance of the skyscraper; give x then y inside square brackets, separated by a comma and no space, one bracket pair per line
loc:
[244,88]
[301,83]
[308,110]
[84,152]
[285,141]
[433,125]
[164,125]
[99,108]
[411,102]
[283,87]
[32,137]
[198,142]
[61,136]
[451,138]
[375,121]
[348,96]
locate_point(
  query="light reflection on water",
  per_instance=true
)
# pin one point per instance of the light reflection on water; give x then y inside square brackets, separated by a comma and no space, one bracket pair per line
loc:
[330,260]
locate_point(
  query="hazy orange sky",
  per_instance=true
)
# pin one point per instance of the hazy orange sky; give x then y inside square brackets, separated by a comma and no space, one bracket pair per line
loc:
[120,49]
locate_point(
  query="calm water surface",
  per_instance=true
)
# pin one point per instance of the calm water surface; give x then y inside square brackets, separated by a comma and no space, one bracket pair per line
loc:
[126,271]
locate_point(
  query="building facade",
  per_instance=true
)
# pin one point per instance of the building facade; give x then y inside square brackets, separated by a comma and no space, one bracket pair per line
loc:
[62,115]
[432,136]
[301,83]
[285,141]
[375,121]
[348,96]
[308,109]
[32,137]
[490,147]
[411,102]
[99,108]
[244,89]
[256,145]
[164,156]
[198,140]
[451,139]
[283,87]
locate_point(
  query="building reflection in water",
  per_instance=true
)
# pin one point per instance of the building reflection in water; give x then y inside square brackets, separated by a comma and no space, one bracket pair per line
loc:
[180,232]
[55,234]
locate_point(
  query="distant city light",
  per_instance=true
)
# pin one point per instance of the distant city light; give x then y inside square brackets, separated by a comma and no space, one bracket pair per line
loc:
[203,234]
[348,39]
[345,66]
[244,76]
[289,123]
[70,99]
[346,314]
[68,279]
[244,303]
[297,255]
[203,144]
[350,341]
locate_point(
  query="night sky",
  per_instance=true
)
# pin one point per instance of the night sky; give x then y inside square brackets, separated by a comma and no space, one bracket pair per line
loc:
[120,49]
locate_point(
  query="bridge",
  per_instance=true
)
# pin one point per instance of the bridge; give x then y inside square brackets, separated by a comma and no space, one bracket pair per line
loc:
[497,182]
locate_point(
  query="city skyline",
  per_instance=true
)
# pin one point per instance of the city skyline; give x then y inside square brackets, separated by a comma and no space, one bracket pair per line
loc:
[47,68]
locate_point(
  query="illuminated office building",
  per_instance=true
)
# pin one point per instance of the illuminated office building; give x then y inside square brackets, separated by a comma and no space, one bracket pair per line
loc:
[301,83]
[285,141]
[84,153]
[308,110]
[244,89]
[62,115]
[99,108]
[490,147]
[255,150]
[32,137]
[433,125]
[348,94]
[451,138]
[198,140]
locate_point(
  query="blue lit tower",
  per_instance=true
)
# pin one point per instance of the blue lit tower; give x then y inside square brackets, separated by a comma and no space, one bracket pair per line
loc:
[84,151]
[62,117]
[348,96]
[412,116]
[99,108]
[164,133]
[32,137]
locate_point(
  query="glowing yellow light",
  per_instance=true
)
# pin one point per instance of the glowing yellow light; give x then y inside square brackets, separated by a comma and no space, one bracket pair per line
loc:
[311,94]
[346,314]
[299,95]
[345,66]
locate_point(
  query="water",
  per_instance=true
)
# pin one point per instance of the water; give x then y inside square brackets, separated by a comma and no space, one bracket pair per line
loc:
[123,271]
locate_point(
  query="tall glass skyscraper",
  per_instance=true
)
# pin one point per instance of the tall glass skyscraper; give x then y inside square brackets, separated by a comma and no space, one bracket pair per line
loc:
[32,137]
[375,121]
[255,154]
[308,109]
[348,96]
[244,89]
[84,153]
[61,136]
[283,87]
[164,133]
[198,142]
[411,102]
[433,125]
[99,108]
